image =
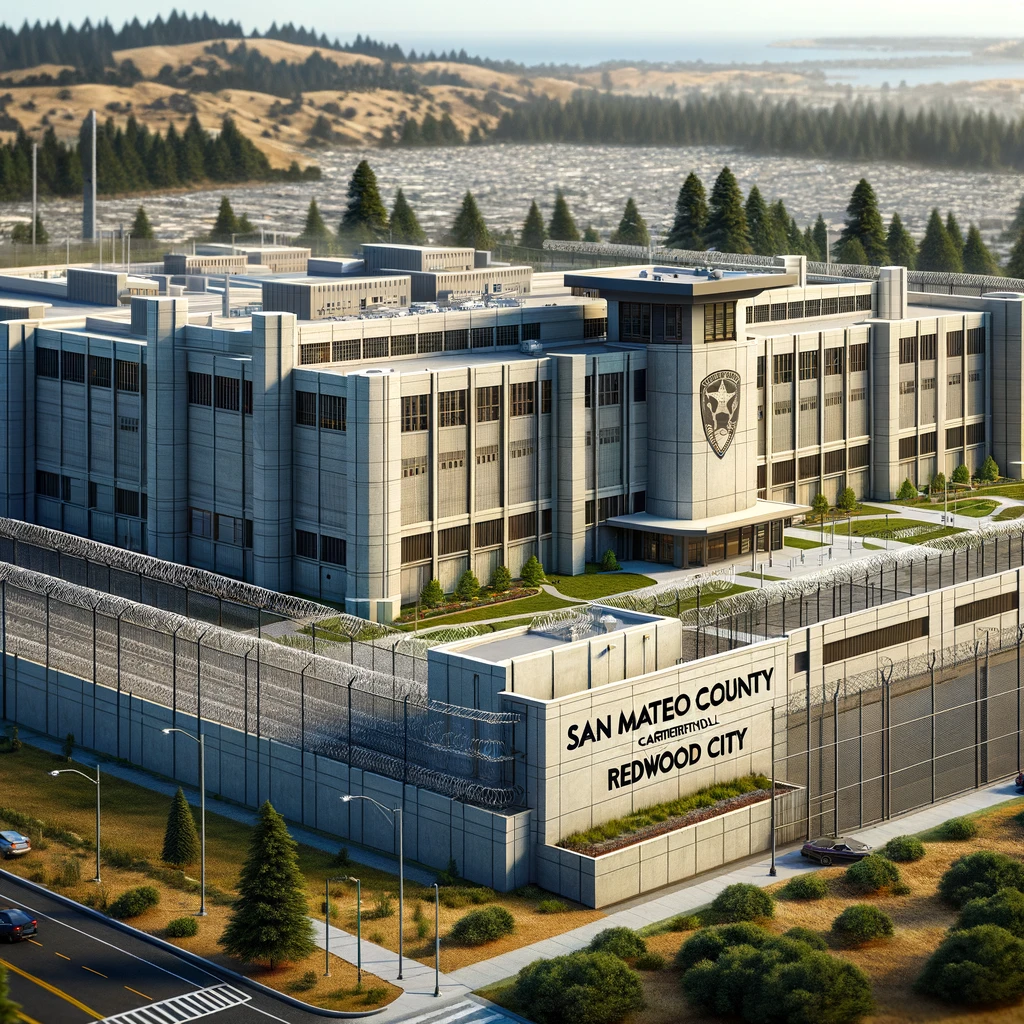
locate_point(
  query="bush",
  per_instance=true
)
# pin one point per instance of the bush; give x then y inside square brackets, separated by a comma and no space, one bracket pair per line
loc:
[847,500]
[375,994]
[939,482]
[805,887]
[816,989]
[431,595]
[621,942]
[977,966]
[456,896]
[958,829]
[862,923]
[904,848]
[341,858]
[69,872]
[806,936]
[989,471]
[384,907]
[582,988]
[305,983]
[907,491]
[450,875]
[480,926]
[468,587]
[684,923]
[650,961]
[710,943]
[742,901]
[979,875]
[873,873]
[134,902]
[1005,909]
[532,572]
[961,475]
[124,857]
[182,928]
[609,563]
[552,907]
[501,579]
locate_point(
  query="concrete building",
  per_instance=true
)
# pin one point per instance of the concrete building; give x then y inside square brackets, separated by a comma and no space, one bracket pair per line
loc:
[319,298]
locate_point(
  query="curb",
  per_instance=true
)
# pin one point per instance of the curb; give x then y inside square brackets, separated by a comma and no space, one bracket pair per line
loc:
[192,958]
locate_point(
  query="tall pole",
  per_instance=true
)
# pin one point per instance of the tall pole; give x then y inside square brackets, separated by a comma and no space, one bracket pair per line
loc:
[772,871]
[35,188]
[327,927]
[401,891]
[97,823]
[359,931]
[437,940]
[202,824]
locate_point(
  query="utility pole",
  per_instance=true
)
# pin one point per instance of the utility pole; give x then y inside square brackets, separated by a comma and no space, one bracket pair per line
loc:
[35,188]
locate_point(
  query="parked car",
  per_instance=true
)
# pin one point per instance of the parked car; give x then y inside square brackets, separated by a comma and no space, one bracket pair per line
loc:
[14,844]
[16,925]
[1019,782]
[834,849]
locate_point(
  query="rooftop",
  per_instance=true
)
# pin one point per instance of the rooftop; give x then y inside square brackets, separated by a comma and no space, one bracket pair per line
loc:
[680,282]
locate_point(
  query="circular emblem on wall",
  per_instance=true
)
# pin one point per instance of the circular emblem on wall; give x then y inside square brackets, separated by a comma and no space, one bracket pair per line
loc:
[720,408]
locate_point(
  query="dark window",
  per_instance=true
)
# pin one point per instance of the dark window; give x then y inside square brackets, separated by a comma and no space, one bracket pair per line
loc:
[829,307]
[782,368]
[864,303]
[795,311]
[674,323]
[976,341]
[522,526]
[415,413]
[228,529]
[810,465]
[200,389]
[305,408]
[126,375]
[614,505]
[545,520]
[47,484]
[833,362]
[126,503]
[760,371]
[333,412]
[908,350]
[595,327]
[344,351]
[858,358]
[639,501]
[247,397]
[876,640]
[640,385]
[762,477]
[453,540]
[720,321]
[783,472]
[416,549]
[531,332]
[860,457]
[521,398]
[99,371]
[507,334]
[588,391]
[225,393]
[929,346]
[954,344]
[47,362]
[545,396]
[375,348]
[456,340]
[489,533]
[954,438]
[847,303]
[908,448]
[488,404]
[305,544]
[589,508]
[928,443]
[835,462]
[762,314]
[200,522]
[73,366]
[93,496]
[482,337]
[332,549]
[430,341]
[779,310]
[451,409]
[975,433]
[634,321]
[986,608]
[812,308]
[403,345]
[609,389]
[808,365]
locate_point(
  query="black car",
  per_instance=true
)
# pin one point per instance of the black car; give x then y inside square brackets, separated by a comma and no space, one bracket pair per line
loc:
[834,849]
[16,925]
[1019,782]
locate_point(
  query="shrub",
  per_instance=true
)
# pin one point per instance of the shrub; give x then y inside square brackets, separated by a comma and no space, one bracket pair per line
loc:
[684,923]
[552,907]
[805,887]
[134,902]
[384,907]
[375,994]
[847,500]
[609,563]
[873,873]
[650,961]
[989,471]
[621,942]
[431,595]
[450,875]
[334,908]
[456,896]
[961,475]
[480,926]
[958,829]
[69,872]
[976,966]
[710,943]
[305,983]
[341,858]
[742,901]
[532,572]
[978,875]
[501,579]
[182,928]
[582,988]
[422,928]
[816,989]
[862,923]
[904,848]
[939,482]
[805,935]
[907,491]
[468,587]
[1005,909]
[124,857]
[68,747]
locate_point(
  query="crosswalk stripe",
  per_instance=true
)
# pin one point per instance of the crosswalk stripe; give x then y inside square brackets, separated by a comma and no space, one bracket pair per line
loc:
[187,1007]
[468,1008]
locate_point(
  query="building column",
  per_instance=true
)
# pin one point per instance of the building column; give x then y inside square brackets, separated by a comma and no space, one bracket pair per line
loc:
[570,531]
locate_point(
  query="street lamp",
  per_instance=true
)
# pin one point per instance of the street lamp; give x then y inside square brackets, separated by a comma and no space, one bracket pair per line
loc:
[96,783]
[359,925]
[200,739]
[437,941]
[396,817]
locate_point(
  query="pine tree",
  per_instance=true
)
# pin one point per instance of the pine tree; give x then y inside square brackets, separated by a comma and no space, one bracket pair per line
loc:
[852,253]
[365,219]
[269,920]
[956,236]
[902,247]
[532,572]
[977,257]
[533,233]
[864,222]
[632,229]
[468,587]
[468,228]
[181,840]
[820,233]
[784,232]
[591,234]
[405,228]
[810,246]
[1016,228]
[432,594]
[226,223]
[727,223]
[562,227]
[141,228]
[10,1011]
[22,233]
[315,230]
[501,579]
[937,250]
[759,224]
[1015,263]
[691,216]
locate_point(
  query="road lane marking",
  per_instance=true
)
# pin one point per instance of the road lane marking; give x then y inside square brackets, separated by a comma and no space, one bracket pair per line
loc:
[26,1018]
[201,1002]
[62,956]
[34,943]
[91,971]
[52,989]
[137,992]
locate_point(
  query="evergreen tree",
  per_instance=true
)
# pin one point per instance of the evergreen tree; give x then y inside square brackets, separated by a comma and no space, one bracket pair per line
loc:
[956,236]
[10,1011]
[22,233]
[1015,262]
[759,224]
[591,234]
[141,228]
[562,227]
[533,233]
[532,572]
[852,253]
[632,229]
[727,223]
[937,250]
[691,216]
[864,222]
[405,228]
[820,233]
[1016,228]
[432,594]
[226,223]
[181,840]
[270,919]
[468,228]
[365,219]
[501,579]
[810,246]
[977,257]
[468,587]
[315,230]
[902,247]
[785,234]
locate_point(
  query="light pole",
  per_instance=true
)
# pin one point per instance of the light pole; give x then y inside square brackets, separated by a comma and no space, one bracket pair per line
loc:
[396,817]
[200,739]
[772,871]
[327,925]
[96,783]
[437,941]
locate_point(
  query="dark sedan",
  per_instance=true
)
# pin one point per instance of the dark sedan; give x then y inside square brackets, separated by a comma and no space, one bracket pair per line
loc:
[16,925]
[834,849]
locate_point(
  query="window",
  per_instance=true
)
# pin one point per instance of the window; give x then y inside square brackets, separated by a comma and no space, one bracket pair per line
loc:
[305,408]
[344,351]
[333,412]
[451,460]
[809,403]
[779,310]
[416,549]
[810,465]
[808,365]
[520,449]
[976,341]
[609,389]
[858,394]
[954,380]
[876,640]
[415,415]
[864,303]
[609,435]
[595,327]
[200,522]
[795,311]
[200,389]
[908,448]
[47,484]
[762,314]
[858,358]
[507,334]
[522,526]
[129,424]
[226,393]
[47,363]
[416,465]
[481,337]
[126,503]
[588,391]
[488,404]
[99,371]
[639,501]
[847,303]
[928,443]
[954,438]
[640,385]
[829,307]
[545,396]
[812,308]
[65,488]
[93,495]
[929,346]
[782,368]
[451,409]
[783,472]
[720,321]
[531,332]
[317,352]
[634,321]
[247,397]
[674,323]
[431,341]
[332,549]
[453,540]
[860,457]
[986,608]
[305,544]
[907,387]
[589,508]
[614,505]
[954,344]
[835,462]
[521,398]
[908,350]
[833,398]
[456,340]
[73,366]
[374,348]
[760,371]
[545,520]
[490,533]
[975,433]
[403,345]
[974,376]
[784,408]
[928,384]
[486,453]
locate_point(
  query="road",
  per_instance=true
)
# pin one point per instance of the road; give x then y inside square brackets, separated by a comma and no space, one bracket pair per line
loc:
[79,969]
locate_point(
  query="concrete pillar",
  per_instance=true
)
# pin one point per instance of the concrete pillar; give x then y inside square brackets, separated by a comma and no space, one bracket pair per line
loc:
[17,425]
[88,150]
[569,542]
[892,293]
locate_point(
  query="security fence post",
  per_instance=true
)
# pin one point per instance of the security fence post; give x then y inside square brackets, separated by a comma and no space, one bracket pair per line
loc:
[977,723]
[835,758]
[931,670]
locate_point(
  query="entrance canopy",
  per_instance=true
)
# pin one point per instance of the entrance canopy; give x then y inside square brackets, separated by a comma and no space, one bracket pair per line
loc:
[760,512]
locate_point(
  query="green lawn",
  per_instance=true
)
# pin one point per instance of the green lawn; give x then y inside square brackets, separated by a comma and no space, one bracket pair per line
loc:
[541,602]
[1015,490]
[1010,512]
[758,576]
[711,597]
[975,507]
[800,542]
[593,584]
[877,529]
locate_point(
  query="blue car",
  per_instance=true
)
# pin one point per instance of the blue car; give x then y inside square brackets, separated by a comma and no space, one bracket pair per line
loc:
[16,925]
[14,844]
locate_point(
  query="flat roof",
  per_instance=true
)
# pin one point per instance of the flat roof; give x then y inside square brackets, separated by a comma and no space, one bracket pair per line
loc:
[761,512]
[324,279]
[680,282]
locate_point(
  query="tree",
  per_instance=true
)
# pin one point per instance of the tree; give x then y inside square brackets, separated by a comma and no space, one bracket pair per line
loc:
[907,491]
[181,840]
[532,572]
[468,228]
[10,1011]
[609,563]
[937,250]
[270,919]
[468,587]
[315,229]
[1015,262]
[226,223]
[759,224]
[501,579]
[141,228]
[864,223]
[22,233]
[938,482]
[820,507]
[591,234]
[364,219]
[989,471]
[431,595]
[961,475]
[727,222]
[533,233]
[978,966]
[405,228]
[977,257]
[847,500]
[810,246]
[691,218]
[851,253]
[956,236]
[901,246]
[562,227]
[820,232]
[632,229]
